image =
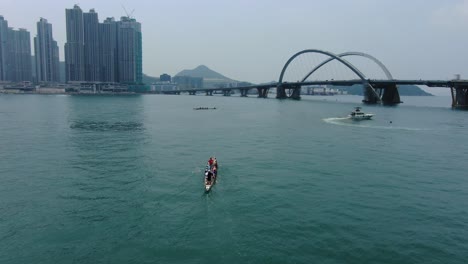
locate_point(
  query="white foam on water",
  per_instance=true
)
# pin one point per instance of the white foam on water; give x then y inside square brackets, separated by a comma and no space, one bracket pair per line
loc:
[344,121]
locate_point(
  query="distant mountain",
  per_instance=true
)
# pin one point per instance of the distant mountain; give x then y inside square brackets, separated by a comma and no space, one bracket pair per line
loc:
[212,79]
[404,90]
[414,90]
[149,79]
[204,72]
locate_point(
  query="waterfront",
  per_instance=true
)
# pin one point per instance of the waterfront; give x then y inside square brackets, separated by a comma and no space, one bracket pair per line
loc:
[105,179]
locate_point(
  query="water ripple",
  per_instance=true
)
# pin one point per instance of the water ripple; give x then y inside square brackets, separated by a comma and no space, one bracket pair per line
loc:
[84,198]
[100,126]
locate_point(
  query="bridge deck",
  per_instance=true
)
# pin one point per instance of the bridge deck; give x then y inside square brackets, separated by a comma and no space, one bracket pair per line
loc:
[377,83]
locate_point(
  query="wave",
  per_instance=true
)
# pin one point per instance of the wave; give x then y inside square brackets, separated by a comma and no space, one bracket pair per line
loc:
[107,126]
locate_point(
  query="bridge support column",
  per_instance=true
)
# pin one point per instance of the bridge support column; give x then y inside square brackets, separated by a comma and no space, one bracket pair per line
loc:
[391,96]
[296,93]
[262,92]
[281,92]
[370,95]
[227,93]
[209,92]
[244,92]
[459,96]
[192,92]
[294,90]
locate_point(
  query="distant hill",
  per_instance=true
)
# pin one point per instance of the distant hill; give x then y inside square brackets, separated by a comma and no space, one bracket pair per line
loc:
[204,72]
[149,79]
[404,90]
[412,90]
[211,79]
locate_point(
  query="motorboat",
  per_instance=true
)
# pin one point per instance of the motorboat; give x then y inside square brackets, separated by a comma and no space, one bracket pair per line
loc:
[358,115]
[211,173]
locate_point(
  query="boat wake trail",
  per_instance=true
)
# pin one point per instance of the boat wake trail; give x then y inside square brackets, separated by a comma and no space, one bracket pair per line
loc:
[344,121]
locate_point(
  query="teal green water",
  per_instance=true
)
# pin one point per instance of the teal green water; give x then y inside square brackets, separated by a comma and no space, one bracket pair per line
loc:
[120,180]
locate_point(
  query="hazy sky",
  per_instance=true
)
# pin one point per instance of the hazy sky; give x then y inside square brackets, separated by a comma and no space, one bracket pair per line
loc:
[250,40]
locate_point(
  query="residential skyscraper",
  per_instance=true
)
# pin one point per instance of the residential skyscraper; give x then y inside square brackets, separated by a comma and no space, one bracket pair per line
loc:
[74,48]
[3,48]
[102,52]
[46,53]
[56,60]
[91,46]
[19,58]
[130,51]
[108,50]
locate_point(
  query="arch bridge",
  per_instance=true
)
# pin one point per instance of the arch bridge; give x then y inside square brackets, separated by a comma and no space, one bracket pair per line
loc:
[375,91]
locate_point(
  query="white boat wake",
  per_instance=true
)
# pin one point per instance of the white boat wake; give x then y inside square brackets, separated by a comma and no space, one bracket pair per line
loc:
[344,121]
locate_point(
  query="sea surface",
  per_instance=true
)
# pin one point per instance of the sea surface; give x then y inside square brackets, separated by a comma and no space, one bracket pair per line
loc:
[119,179]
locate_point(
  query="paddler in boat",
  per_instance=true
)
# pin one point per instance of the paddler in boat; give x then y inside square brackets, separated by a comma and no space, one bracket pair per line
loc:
[210,161]
[215,163]
[209,174]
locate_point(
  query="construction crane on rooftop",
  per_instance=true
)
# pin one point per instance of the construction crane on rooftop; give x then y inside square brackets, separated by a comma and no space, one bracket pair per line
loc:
[129,15]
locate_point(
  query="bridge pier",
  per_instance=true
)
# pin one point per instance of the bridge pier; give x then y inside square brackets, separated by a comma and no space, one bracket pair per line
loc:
[391,96]
[459,96]
[244,92]
[296,94]
[226,92]
[209,92]
[281,92]
[192,92]
[370,95]
[262,92]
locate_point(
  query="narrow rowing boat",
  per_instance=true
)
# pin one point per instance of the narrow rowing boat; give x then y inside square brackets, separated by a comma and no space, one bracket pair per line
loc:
[211,173]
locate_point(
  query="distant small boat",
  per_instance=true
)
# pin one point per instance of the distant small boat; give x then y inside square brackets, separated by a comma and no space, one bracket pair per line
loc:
[358,115]
[204,108]
[211,173]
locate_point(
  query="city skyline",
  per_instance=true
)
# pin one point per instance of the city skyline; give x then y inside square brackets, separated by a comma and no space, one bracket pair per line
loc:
[107,52]
[102,52]
[251,41]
